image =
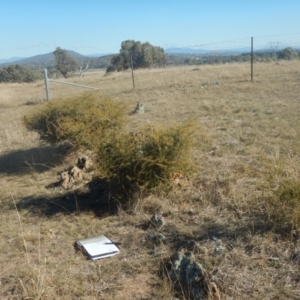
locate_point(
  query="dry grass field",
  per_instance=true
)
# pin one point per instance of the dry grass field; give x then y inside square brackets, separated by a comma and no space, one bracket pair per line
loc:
[248,143]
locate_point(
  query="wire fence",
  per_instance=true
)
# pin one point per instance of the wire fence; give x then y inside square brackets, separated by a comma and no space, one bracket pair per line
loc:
[266,48]
[219,61]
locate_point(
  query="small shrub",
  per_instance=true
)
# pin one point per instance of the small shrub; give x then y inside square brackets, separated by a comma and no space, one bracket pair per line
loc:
[85,121]
[284,206]
[110,69]
[132,162]
[18,73]
[145,161]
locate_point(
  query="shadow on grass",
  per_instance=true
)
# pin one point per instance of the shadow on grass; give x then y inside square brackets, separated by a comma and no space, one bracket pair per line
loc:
[95,198]
[38,159]
[179,239]
[214,232]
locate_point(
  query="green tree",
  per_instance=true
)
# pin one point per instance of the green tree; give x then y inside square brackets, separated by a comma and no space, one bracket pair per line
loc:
[143,56]
[288,54]
[64,62]
[117,63]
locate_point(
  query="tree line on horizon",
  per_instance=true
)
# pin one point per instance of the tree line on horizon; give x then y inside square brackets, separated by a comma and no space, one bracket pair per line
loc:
[133,54]
[136,55]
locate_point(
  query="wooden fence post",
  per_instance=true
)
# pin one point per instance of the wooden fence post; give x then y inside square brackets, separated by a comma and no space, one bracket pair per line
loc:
[132,71]
[46,85]
[47,80]
[252,59]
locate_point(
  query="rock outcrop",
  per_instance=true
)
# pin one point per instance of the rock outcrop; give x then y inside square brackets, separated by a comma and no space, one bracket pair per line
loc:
[190,278]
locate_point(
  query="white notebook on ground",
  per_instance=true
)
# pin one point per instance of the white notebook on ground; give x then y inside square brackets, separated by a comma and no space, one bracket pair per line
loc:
[97,247]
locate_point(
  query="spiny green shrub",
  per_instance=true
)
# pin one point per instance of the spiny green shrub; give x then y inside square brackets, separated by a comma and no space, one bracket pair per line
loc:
[146,160]
[284,206]
[85,121]
[134,162]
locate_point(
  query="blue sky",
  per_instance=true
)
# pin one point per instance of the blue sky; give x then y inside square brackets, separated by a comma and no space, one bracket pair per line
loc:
[31,27]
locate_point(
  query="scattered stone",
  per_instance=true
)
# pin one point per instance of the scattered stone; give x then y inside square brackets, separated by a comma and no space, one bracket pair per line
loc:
[192,245]
[220,249]
[76,173]
[66,179]
[140,108]
[191,212]
[157,221]
[84,163]
[191,278]
[174,211]
[70,176]
[153,239]
[178,179]
[210,83]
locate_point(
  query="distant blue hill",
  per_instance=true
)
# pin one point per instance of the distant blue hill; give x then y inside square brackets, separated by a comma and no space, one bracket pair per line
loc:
[99,54]
[189,51]
[234,51]
[181,51]
[8,60]
[185,50]
[45,59]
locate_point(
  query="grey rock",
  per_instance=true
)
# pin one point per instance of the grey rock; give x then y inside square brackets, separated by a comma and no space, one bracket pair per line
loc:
[192,245]
[220,249]
[157,221]
[153,239]
[84,163]
[190,278]
[140,108]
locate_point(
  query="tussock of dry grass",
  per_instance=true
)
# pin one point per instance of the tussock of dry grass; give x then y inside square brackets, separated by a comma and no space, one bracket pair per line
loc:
[251,146]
